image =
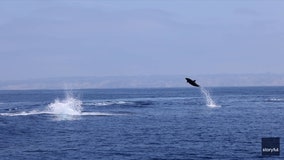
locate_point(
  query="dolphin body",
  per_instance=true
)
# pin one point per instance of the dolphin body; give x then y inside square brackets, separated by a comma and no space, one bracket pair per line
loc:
[192,82]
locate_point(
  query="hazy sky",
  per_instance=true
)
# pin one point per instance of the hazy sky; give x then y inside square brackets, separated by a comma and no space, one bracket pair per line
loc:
[62,38]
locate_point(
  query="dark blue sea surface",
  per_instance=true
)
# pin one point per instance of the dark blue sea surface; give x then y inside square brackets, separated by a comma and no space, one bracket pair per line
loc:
[176,123]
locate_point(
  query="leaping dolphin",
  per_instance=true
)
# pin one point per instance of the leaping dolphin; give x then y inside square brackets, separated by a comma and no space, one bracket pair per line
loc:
[192,82]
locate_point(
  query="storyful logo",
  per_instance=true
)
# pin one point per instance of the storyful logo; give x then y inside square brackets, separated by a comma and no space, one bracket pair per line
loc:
[270,146]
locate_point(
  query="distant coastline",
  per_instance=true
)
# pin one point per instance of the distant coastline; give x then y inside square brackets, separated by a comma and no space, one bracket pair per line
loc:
[155,81]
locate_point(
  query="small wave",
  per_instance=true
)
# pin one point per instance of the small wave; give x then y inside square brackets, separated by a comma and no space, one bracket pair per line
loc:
[275,100]
[23,113]
[213,106]
[101,114]
[132,103]
[11,109]
[109,103]
[51,113]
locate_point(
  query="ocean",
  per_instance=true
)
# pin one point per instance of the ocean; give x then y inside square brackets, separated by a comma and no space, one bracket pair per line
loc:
[123,124]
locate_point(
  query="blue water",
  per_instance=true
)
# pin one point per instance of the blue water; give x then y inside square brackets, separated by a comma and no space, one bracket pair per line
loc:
[140,123]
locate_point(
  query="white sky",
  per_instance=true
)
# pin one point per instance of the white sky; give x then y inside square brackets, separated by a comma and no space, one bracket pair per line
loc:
[62,38]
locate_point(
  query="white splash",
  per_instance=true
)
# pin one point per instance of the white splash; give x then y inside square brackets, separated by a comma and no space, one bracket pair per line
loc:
[209,101]
[67,106]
